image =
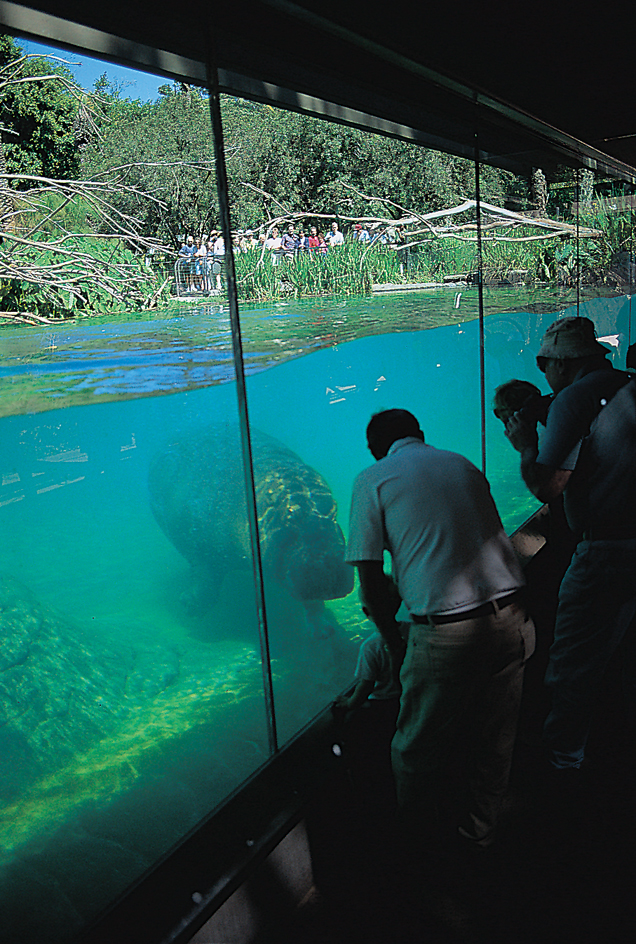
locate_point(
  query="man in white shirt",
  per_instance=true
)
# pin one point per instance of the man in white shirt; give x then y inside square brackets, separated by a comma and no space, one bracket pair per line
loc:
[334,237]
[274,244]
[459,577]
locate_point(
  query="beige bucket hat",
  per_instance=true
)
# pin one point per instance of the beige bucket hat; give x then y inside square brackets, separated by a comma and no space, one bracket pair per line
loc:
[570,338]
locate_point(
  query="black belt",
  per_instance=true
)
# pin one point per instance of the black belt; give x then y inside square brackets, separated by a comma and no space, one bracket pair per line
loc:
[486,609]
[609,534]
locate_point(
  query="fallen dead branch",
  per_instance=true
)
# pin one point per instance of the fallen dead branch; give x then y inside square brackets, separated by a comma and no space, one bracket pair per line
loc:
[417,228]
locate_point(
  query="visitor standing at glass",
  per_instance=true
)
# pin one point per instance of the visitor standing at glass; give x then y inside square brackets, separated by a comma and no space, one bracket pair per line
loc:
[470,635]
[588,454]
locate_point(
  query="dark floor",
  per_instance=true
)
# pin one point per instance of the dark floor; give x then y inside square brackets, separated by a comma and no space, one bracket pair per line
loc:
[563,870]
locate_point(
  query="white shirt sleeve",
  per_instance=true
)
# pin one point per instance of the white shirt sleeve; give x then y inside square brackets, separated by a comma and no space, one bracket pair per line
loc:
[366,524]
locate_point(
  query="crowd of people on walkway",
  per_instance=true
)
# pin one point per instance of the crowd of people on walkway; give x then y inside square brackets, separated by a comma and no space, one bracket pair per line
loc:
[200,264]
[294,240]
[200,260]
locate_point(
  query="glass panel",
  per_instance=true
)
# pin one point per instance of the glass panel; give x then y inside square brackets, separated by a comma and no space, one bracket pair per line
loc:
[557,248]
[357,293]
[131,681]
[606,207]
[524,241]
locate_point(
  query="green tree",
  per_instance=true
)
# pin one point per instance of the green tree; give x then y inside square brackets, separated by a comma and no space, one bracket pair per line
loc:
[310,165]
[65,244]
[163,148]
[305,165]
[38,111]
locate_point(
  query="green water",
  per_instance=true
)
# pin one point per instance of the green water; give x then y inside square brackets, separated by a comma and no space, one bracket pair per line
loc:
[129,713]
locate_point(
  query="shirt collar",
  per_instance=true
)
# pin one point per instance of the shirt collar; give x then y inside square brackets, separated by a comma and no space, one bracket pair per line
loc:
[605,365]
[401,443]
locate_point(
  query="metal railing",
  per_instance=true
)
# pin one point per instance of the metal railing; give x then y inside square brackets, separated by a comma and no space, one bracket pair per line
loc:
[199,275]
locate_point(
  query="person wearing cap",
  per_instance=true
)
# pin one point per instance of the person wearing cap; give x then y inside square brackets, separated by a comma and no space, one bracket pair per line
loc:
[360,233]
[588,454]
[470,634]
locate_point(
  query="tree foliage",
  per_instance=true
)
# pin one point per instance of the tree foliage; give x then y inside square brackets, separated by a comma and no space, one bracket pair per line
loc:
[305,165]
[163,148]
[310,165]
[38,115]
[66,244]
[146,177]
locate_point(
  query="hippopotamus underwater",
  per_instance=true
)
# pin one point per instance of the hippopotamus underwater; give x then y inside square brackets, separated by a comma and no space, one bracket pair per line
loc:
[197,493]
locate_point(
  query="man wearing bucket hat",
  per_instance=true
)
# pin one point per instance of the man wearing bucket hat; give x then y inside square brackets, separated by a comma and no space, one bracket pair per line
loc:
[588,453]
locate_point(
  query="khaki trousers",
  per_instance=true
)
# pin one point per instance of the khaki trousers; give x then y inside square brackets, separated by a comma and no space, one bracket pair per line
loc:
[461,682]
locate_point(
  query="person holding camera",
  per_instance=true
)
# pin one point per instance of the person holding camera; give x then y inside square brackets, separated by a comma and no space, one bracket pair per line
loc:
[587,454]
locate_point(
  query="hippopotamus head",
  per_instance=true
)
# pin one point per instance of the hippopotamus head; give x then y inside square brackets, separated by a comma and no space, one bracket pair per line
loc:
[311,565]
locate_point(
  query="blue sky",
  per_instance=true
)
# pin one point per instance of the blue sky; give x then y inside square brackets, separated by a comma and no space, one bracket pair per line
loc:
[137,84]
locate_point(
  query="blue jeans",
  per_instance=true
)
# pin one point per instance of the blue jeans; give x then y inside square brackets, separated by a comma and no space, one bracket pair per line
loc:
[458,678]
[597,603]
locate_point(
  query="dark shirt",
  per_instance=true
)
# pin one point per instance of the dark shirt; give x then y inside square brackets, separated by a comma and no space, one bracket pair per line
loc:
[591,431]
[288,242]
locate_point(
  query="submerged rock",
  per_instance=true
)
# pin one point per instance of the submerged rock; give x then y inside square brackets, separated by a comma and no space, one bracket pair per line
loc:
[57,694]
[60,691]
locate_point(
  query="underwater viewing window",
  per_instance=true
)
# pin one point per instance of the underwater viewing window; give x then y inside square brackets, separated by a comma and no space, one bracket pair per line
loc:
[132,681]
[176,479]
